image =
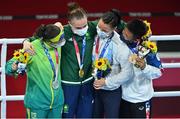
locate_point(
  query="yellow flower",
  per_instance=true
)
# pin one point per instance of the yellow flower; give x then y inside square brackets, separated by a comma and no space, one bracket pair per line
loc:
[149,32]
[16,55]
[104,64]
[107,63]
[26,56]
[151,45]
[21,56]
[101,64]
[98,64]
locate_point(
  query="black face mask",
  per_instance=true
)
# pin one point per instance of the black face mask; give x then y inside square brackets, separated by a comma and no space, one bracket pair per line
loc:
[128,42]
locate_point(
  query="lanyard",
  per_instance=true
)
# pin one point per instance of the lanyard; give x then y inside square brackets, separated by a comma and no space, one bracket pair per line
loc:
[104,48]
[80,59]
[50,59]
[134,50]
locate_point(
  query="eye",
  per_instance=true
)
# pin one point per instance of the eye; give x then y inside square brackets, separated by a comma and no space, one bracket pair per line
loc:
[81,27]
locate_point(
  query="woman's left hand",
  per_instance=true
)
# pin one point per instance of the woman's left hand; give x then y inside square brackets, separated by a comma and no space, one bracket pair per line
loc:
[140,62]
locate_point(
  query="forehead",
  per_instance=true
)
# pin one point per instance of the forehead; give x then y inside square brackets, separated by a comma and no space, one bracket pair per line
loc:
[103,26]
[79,22]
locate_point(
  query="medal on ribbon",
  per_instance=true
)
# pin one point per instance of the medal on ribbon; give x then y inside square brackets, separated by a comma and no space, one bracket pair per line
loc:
[81,73]
[55,84]
[80,59]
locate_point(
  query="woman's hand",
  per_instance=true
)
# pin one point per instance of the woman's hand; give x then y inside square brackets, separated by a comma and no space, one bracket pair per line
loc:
[137,61]
[99,83]
[28,47]
[59,25]
[140,63]
[14,66]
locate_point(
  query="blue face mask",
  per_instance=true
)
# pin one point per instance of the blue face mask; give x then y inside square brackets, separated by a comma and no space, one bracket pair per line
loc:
[101,33]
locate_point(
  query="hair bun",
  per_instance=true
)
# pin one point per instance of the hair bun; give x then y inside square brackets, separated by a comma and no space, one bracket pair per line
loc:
[72,6]
[116,12]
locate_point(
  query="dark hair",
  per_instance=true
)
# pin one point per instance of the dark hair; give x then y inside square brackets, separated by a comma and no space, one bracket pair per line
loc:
[137,27]
[112,17]
[75,11]
[47,32]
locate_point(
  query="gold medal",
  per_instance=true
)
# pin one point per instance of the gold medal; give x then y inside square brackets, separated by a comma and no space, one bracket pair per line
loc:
[81,73]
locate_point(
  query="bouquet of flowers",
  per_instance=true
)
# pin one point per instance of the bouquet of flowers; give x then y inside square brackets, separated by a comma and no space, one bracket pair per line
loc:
[101,67]
[143,50]
[21,60]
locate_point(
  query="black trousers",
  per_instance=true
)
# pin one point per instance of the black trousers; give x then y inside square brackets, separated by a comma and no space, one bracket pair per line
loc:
[107,103]
[135,110]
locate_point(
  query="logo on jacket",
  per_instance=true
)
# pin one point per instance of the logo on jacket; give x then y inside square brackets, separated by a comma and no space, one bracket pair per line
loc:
[66,108]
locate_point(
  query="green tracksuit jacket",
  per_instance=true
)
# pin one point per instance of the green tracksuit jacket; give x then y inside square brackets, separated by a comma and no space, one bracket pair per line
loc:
[39,91]
[70,67]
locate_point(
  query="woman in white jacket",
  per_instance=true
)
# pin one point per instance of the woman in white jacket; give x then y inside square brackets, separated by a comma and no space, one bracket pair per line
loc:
[108,45]
[137,93]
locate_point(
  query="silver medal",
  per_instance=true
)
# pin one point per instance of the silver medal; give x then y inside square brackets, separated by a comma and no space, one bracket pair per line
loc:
[55,84]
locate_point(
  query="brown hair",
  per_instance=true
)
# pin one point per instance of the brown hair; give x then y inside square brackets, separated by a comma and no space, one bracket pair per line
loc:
[47,32]
[75,11]
[112,17]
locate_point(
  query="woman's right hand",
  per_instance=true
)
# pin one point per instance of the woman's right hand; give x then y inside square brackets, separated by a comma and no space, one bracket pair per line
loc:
[59,25]
[28,47]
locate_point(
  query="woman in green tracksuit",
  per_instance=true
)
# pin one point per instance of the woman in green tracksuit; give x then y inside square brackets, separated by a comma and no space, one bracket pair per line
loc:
[76,69]
[44,95]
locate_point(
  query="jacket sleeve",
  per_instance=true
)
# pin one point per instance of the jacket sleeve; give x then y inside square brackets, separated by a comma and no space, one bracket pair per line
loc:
[126,72]
[31,39]
[153,67]
[152,72]
[8,67]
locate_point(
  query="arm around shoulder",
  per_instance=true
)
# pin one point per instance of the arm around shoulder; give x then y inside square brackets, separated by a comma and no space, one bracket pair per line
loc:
[126,72]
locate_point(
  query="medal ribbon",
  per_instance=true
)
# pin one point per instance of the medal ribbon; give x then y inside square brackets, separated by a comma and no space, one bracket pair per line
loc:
[104,48]
[80,59]
[55,70]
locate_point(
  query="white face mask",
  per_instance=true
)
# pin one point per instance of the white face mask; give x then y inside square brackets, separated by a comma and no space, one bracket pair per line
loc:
[101,33]
[80,32]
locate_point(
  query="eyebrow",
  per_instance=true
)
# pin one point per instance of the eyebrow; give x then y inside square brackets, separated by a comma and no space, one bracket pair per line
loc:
[81,27]
[104,30]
